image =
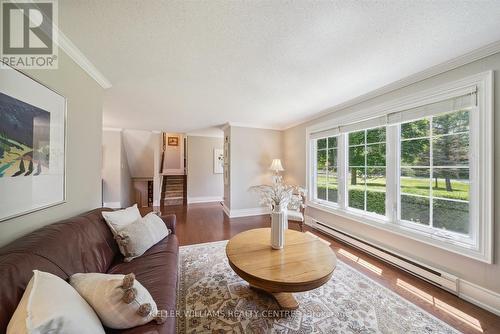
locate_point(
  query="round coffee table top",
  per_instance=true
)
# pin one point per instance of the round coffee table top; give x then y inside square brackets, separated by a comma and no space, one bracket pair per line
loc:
[305,262]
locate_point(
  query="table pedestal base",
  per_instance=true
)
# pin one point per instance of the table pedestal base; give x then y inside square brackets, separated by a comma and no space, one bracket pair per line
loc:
[285,300]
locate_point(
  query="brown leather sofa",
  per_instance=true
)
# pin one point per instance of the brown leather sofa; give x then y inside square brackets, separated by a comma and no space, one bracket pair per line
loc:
[85,244]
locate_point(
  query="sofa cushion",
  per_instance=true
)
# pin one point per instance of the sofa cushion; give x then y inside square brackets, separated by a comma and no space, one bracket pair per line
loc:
[85,244]
[157,272]
[77,245]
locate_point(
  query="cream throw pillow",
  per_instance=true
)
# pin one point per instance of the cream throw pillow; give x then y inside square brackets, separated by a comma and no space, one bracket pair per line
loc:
[118,219]
[136,238]
[51,305]
[120,301]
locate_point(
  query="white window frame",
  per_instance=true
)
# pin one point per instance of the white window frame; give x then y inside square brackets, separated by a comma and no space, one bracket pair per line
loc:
[479,244]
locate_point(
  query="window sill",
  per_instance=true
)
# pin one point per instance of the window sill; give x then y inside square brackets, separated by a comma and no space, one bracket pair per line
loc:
[433,239]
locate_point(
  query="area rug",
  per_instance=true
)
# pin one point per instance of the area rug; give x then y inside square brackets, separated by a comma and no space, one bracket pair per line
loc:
[213,299]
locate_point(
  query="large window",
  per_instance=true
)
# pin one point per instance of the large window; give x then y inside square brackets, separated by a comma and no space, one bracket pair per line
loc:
[326,169]
[424,171]
[435,171]
[367,170]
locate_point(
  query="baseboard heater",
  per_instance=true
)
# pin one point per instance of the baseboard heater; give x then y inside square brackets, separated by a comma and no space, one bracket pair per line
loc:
[434,276]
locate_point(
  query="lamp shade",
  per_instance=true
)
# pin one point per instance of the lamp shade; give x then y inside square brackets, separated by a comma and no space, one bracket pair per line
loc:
[276,165]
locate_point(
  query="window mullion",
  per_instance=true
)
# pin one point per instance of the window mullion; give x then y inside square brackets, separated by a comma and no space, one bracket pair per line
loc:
[431,174]
[342,170]
[392,174]
[365,174]
[314,179]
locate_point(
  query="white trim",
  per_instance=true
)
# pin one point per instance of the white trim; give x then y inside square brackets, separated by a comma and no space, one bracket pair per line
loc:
[481,247]
[204,199]
[226,210]
[194,134]
[236,213]
[477,295]
[80,59]
[112,205]
[252,126]
[446,280]
[475,55]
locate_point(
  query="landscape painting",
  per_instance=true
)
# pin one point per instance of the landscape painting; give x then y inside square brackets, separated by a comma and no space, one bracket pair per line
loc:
[32,145]
[24,139]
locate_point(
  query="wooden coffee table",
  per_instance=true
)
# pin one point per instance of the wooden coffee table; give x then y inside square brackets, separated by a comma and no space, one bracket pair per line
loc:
[305,263]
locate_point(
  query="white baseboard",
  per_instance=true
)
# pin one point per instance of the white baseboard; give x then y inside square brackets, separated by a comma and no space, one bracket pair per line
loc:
[226,209]
[204,199]
[236,213]
[473,293]
[112,205]
[477,295]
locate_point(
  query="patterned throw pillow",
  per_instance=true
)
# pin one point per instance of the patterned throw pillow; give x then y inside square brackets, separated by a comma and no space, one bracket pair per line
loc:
[120,301]
[295,202]
[136,238]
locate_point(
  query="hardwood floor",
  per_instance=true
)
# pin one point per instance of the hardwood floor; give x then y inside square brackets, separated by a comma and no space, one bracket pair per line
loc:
[199,223]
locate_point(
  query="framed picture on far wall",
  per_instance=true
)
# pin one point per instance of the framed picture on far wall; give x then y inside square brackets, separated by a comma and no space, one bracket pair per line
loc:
[32,145]
[173,141]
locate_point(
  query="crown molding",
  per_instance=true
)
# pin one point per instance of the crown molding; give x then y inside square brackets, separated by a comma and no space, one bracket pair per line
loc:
[251,126]
[194,134]
[80,59]
[470,57]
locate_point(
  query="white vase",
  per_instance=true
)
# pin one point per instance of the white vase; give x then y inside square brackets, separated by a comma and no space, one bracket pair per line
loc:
[279,224]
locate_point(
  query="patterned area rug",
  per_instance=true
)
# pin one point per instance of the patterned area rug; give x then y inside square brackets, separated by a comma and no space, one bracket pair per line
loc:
[213,299]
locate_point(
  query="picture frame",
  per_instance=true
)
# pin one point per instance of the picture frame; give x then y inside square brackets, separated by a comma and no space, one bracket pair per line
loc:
[172,141]
[32,145]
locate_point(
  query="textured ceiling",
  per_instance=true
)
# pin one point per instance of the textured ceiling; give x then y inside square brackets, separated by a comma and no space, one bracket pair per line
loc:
[184,65]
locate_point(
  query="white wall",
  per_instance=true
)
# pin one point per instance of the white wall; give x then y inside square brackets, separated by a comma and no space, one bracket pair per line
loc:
[174,156]
[83,148]
[139,146]
[482,274]
[202,183]
[127,191]
[111,161]
[252,151]
[117,181]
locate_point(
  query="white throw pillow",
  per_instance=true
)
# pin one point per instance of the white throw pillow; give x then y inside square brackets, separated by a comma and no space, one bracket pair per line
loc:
[50,305]
[136,238]
[118,219]
[119,300]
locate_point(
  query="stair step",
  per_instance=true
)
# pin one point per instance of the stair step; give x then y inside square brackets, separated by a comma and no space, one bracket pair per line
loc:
[172,189]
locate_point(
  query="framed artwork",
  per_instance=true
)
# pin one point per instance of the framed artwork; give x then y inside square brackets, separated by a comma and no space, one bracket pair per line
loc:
[173,141]
[32,145]
[218,161]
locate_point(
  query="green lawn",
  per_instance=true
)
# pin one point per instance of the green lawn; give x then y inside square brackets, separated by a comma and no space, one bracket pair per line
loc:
[409,185]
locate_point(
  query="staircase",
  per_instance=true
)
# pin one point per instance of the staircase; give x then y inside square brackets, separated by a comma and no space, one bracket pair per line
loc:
[173,190]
